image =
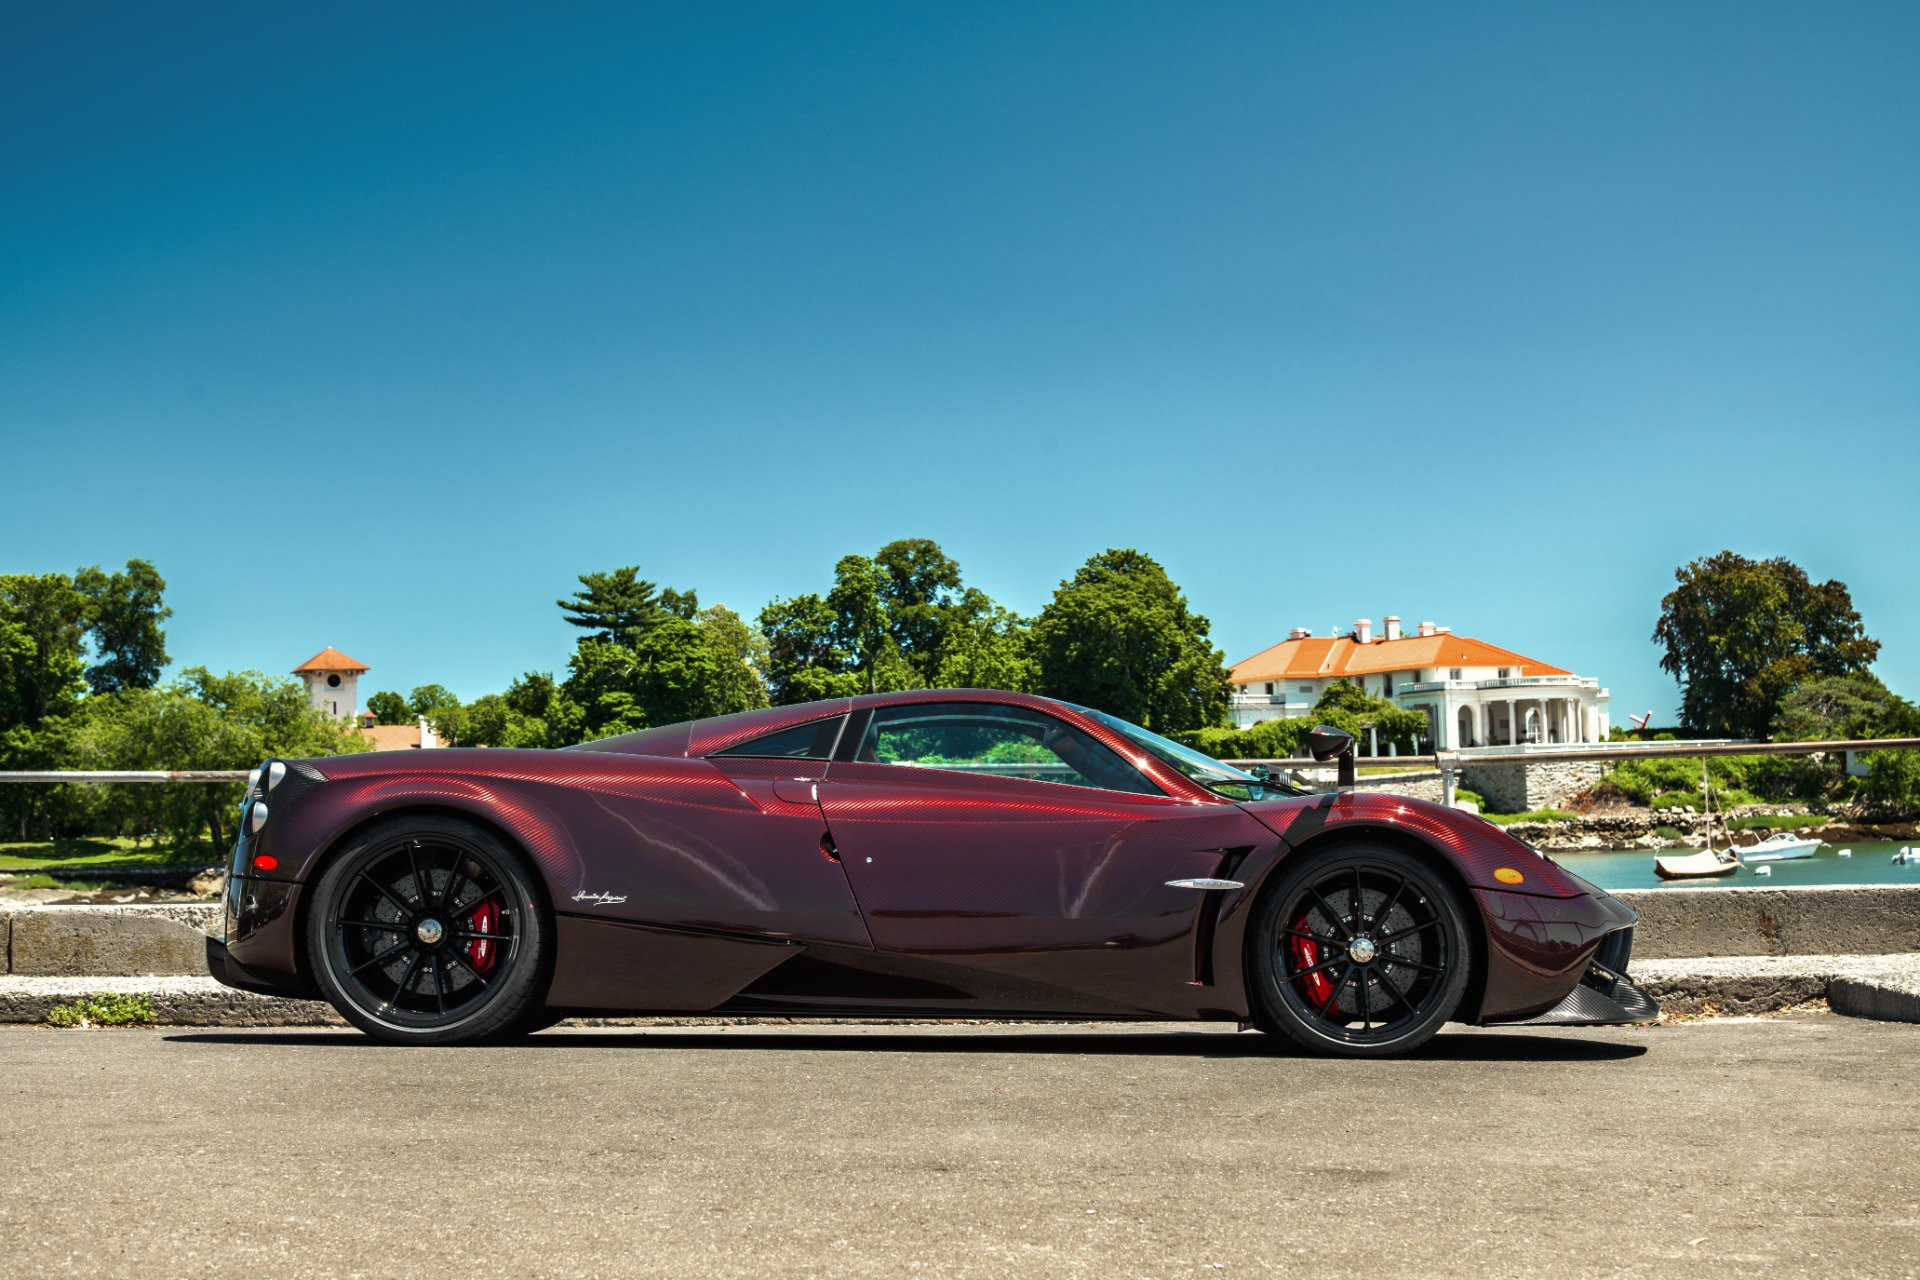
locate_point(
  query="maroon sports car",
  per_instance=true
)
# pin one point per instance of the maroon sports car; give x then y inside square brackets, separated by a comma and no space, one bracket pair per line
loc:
[952,853]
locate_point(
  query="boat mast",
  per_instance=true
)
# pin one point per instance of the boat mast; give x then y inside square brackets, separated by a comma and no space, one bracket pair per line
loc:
[1706,802]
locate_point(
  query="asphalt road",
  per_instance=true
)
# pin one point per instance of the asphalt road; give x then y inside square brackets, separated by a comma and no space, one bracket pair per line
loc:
[1787,1147]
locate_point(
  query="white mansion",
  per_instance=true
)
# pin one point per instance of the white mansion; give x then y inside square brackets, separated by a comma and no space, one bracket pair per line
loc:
[1473,694]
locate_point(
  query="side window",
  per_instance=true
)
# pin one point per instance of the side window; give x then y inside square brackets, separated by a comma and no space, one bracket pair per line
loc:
[802,742]
[999,741]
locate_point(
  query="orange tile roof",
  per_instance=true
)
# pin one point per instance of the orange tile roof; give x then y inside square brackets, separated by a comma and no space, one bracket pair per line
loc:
[331,659]
[1318,657]
[392,737]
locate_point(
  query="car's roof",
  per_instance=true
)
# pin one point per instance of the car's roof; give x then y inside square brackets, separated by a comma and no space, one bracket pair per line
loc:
[717,733]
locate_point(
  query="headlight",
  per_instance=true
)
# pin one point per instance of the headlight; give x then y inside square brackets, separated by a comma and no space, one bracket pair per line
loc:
[253,779]
[276,771]
[257,818]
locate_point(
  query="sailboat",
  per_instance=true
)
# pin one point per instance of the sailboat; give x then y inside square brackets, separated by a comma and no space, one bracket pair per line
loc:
[1709,861]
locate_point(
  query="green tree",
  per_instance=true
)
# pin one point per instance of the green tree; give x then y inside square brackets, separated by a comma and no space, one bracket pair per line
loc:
[1119,636]
[1349,707]
[1827,708]
[919,589]
[1740,634]
[533,712]
[443,711]
[43,622]
[389,708]
[739,657]
[986,647]
[199,721]
[900,620]
[805,661]
[54,615]
[609,605]
[125,613]
[863,625]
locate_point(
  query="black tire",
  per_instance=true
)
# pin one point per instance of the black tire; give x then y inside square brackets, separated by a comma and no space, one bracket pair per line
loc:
[431,930]
[1358,950]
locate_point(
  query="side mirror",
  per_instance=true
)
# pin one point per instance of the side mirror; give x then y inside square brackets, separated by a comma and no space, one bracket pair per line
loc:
[1324,742]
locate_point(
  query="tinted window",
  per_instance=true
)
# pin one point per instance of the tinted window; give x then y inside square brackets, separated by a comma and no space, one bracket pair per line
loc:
[802,742]
[1002,742]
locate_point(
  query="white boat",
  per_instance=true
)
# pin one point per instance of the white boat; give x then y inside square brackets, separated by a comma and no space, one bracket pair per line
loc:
[1907,857]
[1694,866]
[1781,846]
[1709,861]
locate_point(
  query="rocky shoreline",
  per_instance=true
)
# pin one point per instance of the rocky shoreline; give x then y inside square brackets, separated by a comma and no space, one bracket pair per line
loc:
[1629,829]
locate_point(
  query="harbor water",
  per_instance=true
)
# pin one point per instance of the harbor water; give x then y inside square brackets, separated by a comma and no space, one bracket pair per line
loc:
[1871,863]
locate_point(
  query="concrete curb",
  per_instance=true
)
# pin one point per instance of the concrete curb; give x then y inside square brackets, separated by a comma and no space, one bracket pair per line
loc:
[1852,984]
[53,941]
[177,1002]
[1884,999]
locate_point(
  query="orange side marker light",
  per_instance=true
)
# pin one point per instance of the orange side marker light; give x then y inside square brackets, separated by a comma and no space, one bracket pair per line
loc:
[1507,875]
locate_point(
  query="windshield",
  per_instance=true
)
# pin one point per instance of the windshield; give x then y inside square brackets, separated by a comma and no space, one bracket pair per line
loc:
[1235,784]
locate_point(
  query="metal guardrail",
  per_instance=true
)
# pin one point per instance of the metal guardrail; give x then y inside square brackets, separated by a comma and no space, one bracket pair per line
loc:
[1447,763]
[124,775]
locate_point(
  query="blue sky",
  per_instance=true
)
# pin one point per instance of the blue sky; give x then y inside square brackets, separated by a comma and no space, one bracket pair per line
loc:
[373,326]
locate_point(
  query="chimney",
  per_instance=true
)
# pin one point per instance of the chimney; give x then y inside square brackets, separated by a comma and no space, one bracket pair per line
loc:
[1444,631]
[1393,627]
[1426,628]
[1299,633]
[1363,631]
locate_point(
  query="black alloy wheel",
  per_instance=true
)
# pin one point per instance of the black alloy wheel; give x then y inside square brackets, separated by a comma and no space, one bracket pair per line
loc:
[1362,950]
[430,931]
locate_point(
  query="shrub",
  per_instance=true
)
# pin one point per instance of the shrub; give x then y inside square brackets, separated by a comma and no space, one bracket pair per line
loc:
[1893,777]
[1467,793]
[103,1009]
[1735,780]
[1668,833]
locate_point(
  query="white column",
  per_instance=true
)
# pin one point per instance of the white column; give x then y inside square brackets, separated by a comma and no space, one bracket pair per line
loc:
[1513,722]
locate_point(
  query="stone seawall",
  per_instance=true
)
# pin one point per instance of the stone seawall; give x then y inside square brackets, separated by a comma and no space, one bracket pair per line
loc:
[1521,787]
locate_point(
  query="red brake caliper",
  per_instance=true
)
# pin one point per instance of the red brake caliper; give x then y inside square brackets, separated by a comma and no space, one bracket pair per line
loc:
[481,951]
[1305,953]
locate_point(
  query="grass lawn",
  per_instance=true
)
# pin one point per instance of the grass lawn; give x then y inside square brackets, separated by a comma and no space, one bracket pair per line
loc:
[36,855]
[1537,815]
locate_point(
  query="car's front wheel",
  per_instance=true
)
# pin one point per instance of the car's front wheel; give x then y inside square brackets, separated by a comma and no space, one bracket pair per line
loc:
[429,930]
[1358,950]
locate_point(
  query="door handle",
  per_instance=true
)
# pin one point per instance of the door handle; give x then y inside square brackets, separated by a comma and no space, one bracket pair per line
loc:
[797,790]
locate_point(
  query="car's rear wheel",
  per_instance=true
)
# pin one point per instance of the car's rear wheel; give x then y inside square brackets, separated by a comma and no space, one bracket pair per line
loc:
[430,930]
[1359,950]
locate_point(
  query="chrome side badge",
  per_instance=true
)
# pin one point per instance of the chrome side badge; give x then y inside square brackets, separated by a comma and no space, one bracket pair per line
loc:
[1205,884]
